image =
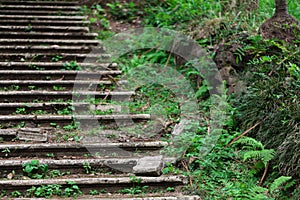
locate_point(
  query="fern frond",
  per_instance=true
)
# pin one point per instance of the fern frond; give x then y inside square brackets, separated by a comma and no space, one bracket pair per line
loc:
[265,155]
[278,182]
[250,142]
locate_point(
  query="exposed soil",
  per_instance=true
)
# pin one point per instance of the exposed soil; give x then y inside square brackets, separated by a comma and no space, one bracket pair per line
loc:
[281,25]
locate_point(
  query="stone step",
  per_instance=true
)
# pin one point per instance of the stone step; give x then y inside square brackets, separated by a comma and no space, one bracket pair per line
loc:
[44,17]
[37,12]
[47,35]
[37,96]
[44,8]
[10,65]
[48,57]
[35,22]
[108,183]
[54,49]
[30,2]
[147,165]
[68,150]
[60,85]
[109,120]
[58,74]
[55,107]
[44,28]
[152,196]
[48,42]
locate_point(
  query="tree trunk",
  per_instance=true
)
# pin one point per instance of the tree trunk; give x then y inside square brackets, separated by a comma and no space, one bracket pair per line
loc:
[281,7]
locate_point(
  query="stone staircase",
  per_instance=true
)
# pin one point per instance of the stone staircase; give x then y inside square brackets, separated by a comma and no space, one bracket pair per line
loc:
[45,51]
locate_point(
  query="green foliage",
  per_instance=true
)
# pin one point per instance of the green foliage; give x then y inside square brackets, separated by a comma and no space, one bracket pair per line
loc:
[123,10]
[72,65]
[278,182]
[16,194]
[272,98]
[72,190]
[35,170]
[46,191]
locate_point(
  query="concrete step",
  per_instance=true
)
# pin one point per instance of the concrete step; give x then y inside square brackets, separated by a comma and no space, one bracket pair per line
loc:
[67,150]
[55,49]
[44,28]
[44,17]
[109,184]
[47,35]
[55,107]
[37,96]
[97,165]
[58,74]
[44,8]
[60,85]
[39,22]
[109,121]
[11,65]
[49,42]
[48,57]
[152,196]
[31,2]
[9,11]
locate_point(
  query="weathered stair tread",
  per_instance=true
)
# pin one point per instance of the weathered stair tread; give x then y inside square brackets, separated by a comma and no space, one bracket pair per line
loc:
[102,149]
[56,64]
[111,184]
[79,18]
[59,82]
[86,93]
[36,22]
[30,2]
[70,117]
[149,145]
[51,75]
[92,180]
[45,8]
[49,41]
[51,55]
[47,35]
[125,165]
[176,196]
[37,12]
[44,28]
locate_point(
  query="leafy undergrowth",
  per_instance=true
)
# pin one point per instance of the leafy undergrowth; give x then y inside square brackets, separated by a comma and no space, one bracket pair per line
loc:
[257,154]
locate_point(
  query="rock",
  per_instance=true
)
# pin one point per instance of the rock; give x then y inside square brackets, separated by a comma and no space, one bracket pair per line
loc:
[149,165]
[32,134]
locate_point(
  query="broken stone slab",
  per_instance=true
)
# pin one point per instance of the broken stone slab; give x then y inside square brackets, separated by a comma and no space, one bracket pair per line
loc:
[149,165]
[8,132]
[33,134]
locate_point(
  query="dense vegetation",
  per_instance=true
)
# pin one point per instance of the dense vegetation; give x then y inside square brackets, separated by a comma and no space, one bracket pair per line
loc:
[257,154]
